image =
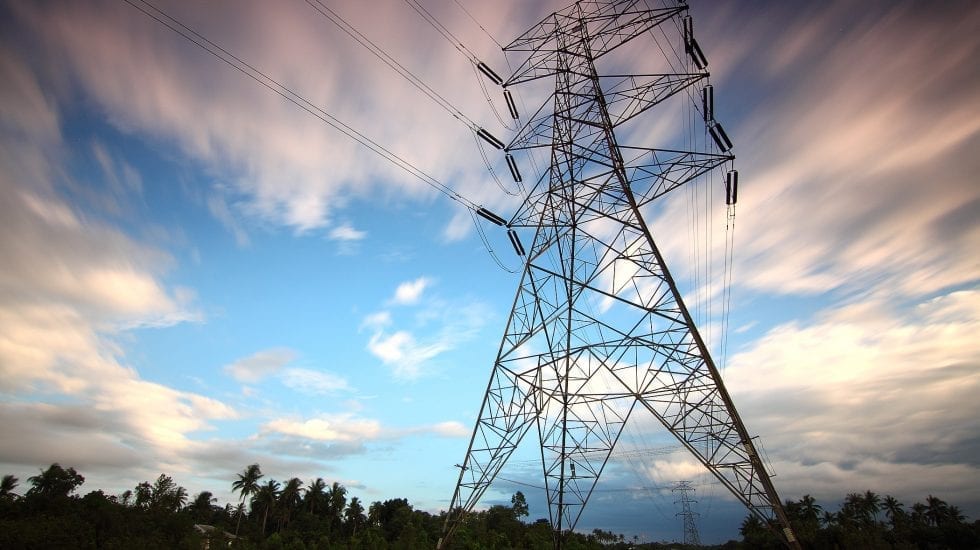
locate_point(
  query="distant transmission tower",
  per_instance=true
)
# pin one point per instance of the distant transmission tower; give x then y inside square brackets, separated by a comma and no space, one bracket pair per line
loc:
[691,537]
[598,331]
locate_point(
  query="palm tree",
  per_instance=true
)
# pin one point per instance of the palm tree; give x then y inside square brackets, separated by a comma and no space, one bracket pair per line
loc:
[178,498]
[290,498]
[315,493]
[893,510]
[919,513]
[238,511]
[936,510]
[266,496]
[144,491]
[336,502]
[809,509]
[7,487]
[55,482]
[203,506]
[872,504]
[246,484]
[354,515]
[955,515]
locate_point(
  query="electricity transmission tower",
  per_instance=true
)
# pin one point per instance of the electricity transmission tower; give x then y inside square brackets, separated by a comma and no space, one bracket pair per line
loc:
[691,537]
[598,332]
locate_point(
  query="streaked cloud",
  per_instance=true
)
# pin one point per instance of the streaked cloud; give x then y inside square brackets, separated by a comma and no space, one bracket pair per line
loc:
[862,184]
[867,395]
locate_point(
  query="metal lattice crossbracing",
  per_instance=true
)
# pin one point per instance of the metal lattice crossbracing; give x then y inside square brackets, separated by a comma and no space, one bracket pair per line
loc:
[598,332]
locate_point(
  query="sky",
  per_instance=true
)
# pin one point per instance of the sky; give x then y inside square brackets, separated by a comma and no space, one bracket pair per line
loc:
[198,275]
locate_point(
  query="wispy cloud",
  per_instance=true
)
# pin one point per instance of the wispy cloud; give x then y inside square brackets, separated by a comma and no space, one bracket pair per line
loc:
[260,364]
[218,207]
[862,184]
[276,154]
[407,352]
[314,382]
[403,353]
[346,232]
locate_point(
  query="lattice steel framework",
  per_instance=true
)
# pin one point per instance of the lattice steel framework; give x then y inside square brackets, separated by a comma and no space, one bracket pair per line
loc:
[598,330]
[691,537]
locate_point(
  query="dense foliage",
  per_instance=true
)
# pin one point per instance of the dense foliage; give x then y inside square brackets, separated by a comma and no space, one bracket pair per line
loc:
[291,515]
[869,521]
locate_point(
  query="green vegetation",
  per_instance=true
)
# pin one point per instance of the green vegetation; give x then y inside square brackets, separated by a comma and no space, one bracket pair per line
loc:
[868,521]
[289,515]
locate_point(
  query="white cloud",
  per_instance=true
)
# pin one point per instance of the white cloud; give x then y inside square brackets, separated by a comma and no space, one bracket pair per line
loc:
[409,355]
[868,396]
[343,427]
[70,288]
[314,382]
[289,167]
[410,292]
[403,353]
[350,428]
[260,364]
[450,429]
[346,232]
[377,320]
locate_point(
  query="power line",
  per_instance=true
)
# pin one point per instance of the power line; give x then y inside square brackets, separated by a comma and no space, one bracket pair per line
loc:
[482,28]
[295,98]
[385,58]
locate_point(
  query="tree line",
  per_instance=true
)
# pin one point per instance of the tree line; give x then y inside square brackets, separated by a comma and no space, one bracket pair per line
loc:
[317,515]
[869,521]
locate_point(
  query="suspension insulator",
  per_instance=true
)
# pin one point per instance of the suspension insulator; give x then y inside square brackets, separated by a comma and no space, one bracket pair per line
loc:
[721,138]
[516,241]
[493,218]
[697,55]
[490,74]
[512,164]
[708,102]
[510,104]
[488,137]
[731,187]
[688,32]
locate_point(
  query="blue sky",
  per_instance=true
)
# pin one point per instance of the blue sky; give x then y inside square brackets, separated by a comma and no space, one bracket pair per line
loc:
[197,275]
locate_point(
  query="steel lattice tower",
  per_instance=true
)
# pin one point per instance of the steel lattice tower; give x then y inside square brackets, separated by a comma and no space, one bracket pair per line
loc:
[598,331]
[691,537]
